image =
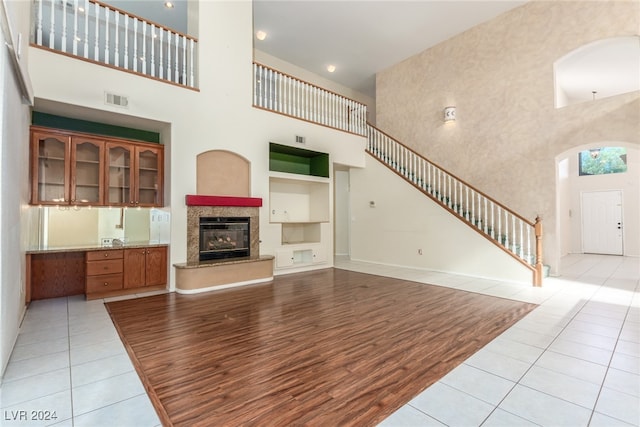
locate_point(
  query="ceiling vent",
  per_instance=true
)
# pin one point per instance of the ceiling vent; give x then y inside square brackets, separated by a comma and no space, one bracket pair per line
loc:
[300,139]
[117,100]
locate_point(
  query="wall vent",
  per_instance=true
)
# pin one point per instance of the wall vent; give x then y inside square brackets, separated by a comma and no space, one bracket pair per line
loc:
[117,100]
[300,139]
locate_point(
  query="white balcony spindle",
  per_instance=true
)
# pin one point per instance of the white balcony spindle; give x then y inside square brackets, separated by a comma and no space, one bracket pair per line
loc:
[493,224]
[168,56]
[106,35]
[116,47]
[63,45]
[126,42]
[86,29]
[176,71]
[96,42]
[143,56]
[160,55]
[39,24]
[521,239]
[134,58]
[184,60]
[152,48]
[74,43]
[192,80]
[52,31]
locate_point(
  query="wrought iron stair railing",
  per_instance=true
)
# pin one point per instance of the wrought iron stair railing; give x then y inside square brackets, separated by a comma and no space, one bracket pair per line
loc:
[516,235]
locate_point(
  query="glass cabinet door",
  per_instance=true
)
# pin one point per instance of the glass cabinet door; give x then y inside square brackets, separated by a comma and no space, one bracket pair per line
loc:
[149,170]
[50,169]
[119,174]
[87,171]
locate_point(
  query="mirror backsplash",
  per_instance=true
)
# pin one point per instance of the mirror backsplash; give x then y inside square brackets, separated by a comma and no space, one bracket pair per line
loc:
[69,227]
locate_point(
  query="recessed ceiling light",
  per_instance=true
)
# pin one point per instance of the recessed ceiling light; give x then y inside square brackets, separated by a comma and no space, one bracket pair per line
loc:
[331,68]
[261,35]
[168,5]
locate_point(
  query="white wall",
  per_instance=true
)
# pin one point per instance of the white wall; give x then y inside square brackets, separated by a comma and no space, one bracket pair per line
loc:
[218,116]
[14,150]
[404,221]
[341,215]
[571,188]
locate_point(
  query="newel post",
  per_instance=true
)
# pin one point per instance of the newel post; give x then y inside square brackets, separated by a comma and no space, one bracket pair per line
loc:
[537,275]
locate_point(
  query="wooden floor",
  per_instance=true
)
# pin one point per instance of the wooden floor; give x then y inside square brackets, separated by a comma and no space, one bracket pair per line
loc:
[325,348]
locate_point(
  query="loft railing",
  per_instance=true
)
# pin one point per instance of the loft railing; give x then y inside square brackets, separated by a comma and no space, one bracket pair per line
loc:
[519,237]
[96,32]
[284,94]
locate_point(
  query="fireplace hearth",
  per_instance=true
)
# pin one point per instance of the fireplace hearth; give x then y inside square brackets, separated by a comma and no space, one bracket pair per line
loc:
[224,238]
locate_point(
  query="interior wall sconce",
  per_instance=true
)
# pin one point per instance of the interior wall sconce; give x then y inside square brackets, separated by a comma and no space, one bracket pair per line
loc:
[450,114]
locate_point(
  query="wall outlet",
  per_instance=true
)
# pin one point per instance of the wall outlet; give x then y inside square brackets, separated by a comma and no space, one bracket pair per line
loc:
[419,251]
[106,241]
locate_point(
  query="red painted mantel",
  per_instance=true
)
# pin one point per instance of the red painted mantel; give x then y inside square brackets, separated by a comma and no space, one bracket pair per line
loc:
[199,200]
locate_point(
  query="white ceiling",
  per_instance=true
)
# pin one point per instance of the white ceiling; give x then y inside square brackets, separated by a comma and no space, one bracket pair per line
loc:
[364,37]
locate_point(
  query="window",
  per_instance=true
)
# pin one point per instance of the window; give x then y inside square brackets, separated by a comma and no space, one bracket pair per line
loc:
[600,161]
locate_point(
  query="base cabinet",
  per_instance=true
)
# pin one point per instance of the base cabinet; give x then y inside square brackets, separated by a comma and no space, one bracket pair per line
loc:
[145,267]
[301,256]
[104,271]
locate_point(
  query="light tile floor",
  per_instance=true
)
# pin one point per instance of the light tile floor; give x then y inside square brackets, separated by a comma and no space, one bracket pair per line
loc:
[573,361]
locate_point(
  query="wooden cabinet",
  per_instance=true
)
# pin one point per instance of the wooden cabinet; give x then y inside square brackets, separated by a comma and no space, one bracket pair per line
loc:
[134,175]
[145,267]
[76,169]
[104,271]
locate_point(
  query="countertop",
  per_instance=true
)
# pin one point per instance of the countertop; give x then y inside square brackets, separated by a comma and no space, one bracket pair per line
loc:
[83,248]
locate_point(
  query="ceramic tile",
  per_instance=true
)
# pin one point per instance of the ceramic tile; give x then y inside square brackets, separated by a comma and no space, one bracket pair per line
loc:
[44,333]
[565,387]
[34,387]
[478,383]
[100,369]
[629,348]
[408,416]
[103,334]
[585,338]
[95,395]
[39,349]
[97,351]
[626,363]
[573,367]
[501,418]
[52,409]
[601,420]
[135,412]
[451,406]
[618,405]
[581,351]
[528,337]
[623,382]
[543,409]
[517,350]
[499,364]
[24,368]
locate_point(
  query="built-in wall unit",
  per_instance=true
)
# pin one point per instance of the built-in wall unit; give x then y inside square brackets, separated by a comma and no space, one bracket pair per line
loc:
[299,204]
[98,192]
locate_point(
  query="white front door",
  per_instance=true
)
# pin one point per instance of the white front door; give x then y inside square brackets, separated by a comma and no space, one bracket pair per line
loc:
[602,222]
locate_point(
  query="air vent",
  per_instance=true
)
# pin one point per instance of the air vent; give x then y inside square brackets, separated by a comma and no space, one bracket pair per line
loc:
[300,139]
[117,100]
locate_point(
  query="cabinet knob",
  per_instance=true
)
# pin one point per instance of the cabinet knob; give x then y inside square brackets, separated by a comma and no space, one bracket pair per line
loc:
[106,283]
[106,255]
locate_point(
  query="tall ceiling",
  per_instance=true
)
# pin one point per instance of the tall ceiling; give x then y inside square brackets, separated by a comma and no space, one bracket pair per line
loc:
[363,37]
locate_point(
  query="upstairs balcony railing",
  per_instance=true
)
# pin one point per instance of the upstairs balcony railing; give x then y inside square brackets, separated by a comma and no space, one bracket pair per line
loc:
[96,32]
[285,94]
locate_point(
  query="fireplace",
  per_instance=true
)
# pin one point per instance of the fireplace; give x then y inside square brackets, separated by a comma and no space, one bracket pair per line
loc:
[224,237]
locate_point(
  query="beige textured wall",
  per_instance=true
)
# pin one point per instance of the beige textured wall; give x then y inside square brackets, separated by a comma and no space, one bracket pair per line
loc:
[499,75]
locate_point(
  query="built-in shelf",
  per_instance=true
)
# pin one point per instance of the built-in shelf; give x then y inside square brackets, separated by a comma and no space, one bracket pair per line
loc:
[298,200]
[296,233]
[284,158]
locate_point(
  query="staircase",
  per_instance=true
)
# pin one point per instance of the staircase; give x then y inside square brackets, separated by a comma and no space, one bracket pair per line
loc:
[512,233]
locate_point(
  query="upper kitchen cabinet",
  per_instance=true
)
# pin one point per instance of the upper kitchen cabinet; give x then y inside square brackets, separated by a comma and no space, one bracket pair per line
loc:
[76,169]
[134,174]
[66,170]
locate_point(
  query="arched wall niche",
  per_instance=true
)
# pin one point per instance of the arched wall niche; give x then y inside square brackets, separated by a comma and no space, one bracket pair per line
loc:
[597,70]
[223,173]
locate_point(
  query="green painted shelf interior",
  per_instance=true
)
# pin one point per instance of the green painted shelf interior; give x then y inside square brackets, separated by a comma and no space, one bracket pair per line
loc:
[283,158]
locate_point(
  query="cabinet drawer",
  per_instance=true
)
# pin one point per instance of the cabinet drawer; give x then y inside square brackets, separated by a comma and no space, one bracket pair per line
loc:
[107,254]
[104,283]
[108,266]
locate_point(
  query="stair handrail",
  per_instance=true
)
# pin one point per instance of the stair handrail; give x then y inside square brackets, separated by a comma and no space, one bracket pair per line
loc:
[428,177]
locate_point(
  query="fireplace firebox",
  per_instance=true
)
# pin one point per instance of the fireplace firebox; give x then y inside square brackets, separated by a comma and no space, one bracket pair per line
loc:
[224,237]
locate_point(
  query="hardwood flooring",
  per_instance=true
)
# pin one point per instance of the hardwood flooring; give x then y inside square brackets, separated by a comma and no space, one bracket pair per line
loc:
[324,348]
